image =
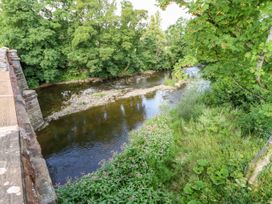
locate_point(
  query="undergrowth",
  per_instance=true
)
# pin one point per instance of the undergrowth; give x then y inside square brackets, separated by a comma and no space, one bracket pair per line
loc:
[193,154]
[212,159]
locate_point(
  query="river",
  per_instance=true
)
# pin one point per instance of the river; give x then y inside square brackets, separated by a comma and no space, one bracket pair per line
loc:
[76,144]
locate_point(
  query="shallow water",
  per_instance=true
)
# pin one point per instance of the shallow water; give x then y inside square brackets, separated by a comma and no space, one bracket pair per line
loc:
[76,144]
[51,98]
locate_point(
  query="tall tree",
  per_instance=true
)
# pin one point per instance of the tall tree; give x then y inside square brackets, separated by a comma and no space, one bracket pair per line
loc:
[131,27]
[65,39]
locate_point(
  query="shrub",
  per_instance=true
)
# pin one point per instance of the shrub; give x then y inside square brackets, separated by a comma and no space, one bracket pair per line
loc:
[258,120]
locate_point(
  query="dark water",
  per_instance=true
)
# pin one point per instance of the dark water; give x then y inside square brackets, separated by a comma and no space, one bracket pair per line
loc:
[52,98]
[76,144]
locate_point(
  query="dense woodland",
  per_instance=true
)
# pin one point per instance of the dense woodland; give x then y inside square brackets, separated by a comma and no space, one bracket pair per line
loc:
[64,40]
[197,153]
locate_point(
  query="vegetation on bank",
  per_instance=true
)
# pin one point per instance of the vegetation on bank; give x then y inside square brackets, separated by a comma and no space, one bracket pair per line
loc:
[193,154]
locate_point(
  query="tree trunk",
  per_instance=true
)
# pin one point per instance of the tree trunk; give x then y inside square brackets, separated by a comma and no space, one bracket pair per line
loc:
[260,162]
[261,59]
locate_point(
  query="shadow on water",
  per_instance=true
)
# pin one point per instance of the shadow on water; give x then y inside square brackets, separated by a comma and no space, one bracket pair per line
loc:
[76,144]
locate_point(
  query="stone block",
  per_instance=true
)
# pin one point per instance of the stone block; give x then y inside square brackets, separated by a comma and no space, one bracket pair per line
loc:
[33,108]
[15,62]
[11,190]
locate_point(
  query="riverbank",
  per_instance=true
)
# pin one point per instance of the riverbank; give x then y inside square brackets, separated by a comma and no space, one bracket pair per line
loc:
[193,154]
[91,98]
[94,80]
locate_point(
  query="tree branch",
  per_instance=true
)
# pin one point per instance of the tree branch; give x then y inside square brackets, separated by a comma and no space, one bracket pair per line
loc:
[261,60]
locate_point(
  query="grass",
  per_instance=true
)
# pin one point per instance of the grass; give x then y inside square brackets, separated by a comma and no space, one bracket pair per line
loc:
[212,158]
[195,154]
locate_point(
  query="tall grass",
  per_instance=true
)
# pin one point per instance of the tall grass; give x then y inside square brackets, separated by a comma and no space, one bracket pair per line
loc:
[213,154]
[190,106]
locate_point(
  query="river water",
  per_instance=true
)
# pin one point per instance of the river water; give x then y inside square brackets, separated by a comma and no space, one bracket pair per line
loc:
[76,144]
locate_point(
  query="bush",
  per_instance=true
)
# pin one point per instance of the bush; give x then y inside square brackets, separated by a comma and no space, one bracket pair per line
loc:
[224,92]
[258,120]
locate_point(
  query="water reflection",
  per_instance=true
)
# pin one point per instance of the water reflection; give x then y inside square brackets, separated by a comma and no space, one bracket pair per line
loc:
[51,98]
[77,143]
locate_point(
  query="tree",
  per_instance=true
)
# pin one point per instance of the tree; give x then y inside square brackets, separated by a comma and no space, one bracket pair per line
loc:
[228,36]
[131,28]
[154,45]
[175,42]
[25,28]
[68,39]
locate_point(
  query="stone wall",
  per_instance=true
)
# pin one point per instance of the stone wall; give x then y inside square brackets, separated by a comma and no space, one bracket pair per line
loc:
[38,185]
[30,96]
[24,177]
[16,64]
[33,109]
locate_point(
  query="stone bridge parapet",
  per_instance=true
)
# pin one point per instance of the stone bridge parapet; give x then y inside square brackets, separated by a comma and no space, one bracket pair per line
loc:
[24,176]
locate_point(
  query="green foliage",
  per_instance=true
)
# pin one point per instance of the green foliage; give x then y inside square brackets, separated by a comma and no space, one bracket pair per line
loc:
[153,48]
[64,40]
[175,48]
[178,73]
[74,74]
[190,106]
[24,29]
[212,158]
[258,120]
[187,61]
[230,37]
[134,176]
